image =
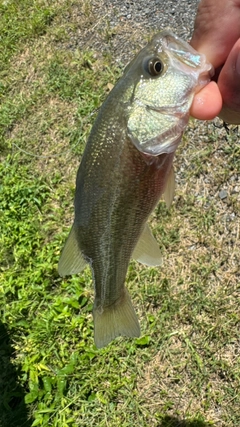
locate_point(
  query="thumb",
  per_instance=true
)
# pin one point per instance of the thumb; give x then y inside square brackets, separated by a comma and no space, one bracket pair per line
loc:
[207,103]
[229,86]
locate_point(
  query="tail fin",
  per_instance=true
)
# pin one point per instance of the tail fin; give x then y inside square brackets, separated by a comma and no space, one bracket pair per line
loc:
[118,319]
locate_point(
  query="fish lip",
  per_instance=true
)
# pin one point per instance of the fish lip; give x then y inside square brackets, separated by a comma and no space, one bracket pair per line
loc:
[175,47]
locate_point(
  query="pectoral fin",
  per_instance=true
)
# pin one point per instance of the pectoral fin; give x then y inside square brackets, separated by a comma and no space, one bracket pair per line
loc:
[71,260]
[147,250]
[170,188]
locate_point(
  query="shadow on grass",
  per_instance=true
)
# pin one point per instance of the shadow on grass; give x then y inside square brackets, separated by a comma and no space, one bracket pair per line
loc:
[169,421]
[13,411]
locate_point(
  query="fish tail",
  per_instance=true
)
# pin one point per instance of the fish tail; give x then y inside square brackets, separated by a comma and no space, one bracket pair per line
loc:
[118,319]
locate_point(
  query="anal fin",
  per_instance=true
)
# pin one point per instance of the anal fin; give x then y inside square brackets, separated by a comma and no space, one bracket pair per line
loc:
[147,250]
[118,319]
[71,259]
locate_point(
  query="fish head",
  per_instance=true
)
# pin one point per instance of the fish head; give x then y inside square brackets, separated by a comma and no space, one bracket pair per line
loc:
[164,78]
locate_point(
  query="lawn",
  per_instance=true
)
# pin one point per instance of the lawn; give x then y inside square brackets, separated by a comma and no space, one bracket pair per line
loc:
[184,370]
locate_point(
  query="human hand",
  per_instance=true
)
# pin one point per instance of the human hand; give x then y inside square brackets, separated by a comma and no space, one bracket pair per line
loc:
[217,35]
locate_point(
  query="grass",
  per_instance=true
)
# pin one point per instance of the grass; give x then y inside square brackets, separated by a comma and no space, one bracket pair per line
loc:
[185,368]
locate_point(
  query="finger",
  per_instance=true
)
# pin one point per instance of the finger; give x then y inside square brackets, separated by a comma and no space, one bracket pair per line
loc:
[207,103]
[229,86]
[216,29]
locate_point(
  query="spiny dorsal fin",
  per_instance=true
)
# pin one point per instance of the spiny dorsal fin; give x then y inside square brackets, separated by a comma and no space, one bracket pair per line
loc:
[170,188]
[71,260]
[147,250]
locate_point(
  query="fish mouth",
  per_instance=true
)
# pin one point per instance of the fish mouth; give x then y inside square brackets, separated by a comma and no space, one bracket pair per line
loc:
[185,55]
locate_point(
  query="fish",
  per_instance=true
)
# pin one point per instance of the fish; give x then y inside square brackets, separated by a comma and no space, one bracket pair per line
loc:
[126,167]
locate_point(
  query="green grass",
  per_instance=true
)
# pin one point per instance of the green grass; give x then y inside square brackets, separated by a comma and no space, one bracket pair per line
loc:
[184,370]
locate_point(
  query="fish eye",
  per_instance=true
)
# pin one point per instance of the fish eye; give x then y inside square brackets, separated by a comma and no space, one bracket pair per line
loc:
[155,67]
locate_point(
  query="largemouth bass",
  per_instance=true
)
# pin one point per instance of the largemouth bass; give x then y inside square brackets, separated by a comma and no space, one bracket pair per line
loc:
[125,169]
